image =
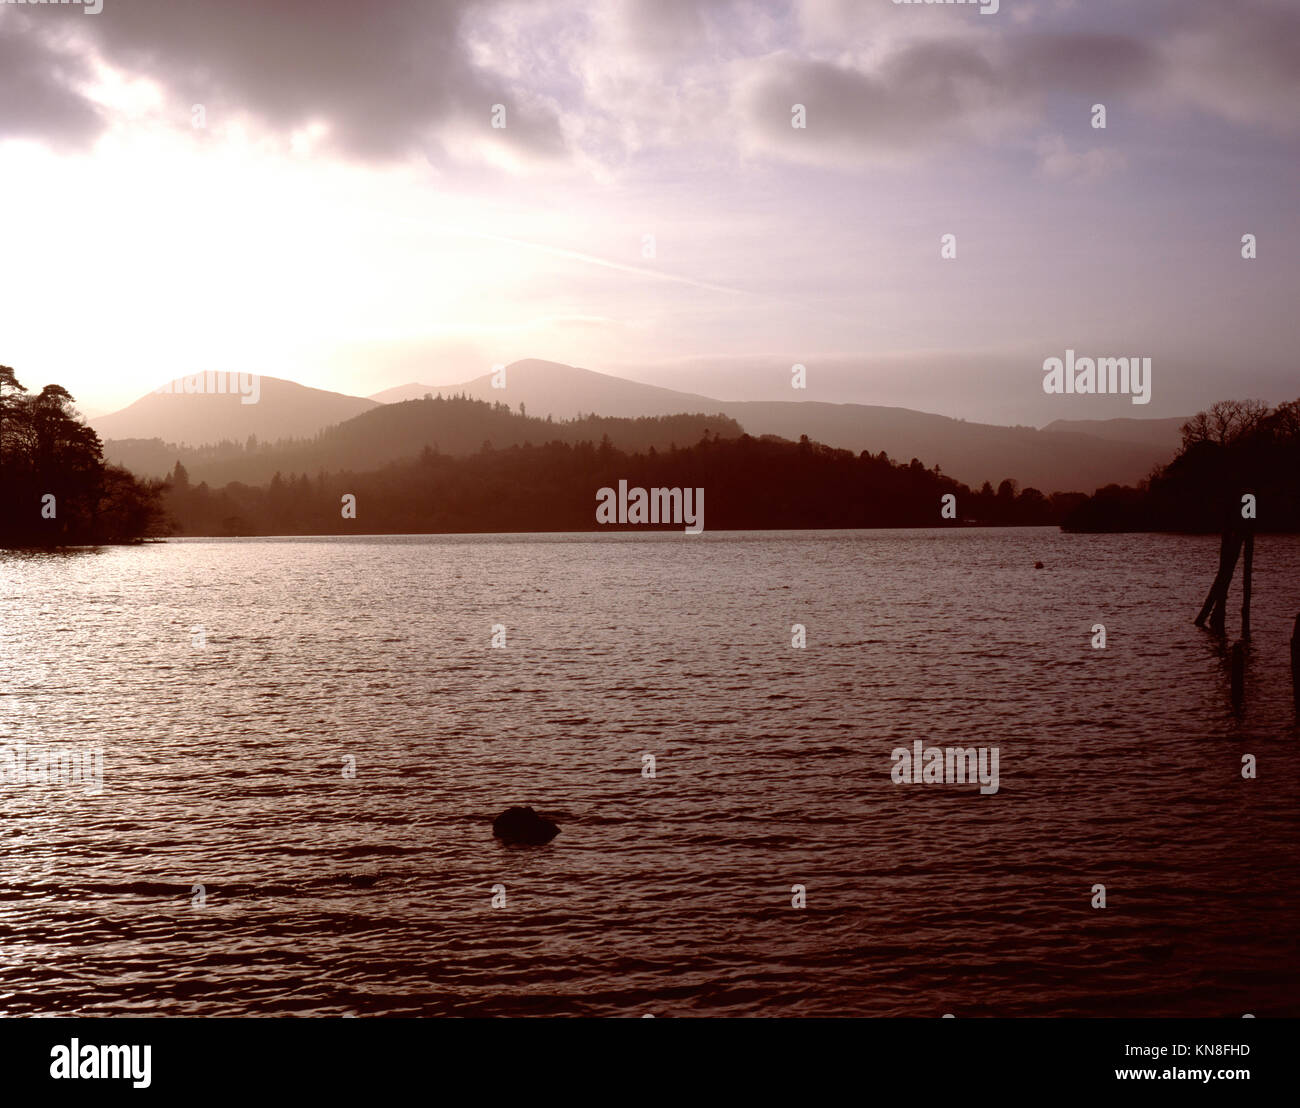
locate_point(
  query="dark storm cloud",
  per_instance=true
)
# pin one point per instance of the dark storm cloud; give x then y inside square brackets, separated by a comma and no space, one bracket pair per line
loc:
[935,90]
[1242,60]
[39,95]
[924,92]
[392,77]
[1236,62]
[386,76]
[1092,63]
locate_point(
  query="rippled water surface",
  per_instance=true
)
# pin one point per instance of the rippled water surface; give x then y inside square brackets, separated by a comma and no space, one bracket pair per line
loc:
[224,766]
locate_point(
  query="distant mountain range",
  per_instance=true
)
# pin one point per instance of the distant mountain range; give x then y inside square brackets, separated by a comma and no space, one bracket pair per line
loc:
[1068,455]
[1167,434]
[1050,461]
[283,410]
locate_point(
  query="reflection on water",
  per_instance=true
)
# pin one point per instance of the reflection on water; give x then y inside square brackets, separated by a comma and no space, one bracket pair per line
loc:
[229,866]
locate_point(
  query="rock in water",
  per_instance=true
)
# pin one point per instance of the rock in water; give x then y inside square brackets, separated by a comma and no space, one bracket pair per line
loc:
[523,825]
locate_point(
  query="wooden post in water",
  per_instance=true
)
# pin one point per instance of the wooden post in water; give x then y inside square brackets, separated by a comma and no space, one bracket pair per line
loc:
[1248,559]
[1216,603]
[1295,665]
[1214,587]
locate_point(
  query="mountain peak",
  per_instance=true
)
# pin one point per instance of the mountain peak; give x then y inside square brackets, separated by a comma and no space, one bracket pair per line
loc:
[205,408]
[562,392]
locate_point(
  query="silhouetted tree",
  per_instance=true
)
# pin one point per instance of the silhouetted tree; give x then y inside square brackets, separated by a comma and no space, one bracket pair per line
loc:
[54,485]
[1231,448]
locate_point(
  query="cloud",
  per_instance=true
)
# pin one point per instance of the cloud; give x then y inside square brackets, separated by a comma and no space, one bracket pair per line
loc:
[1239,61]
[1079,62]
[888,85]
[926,95]
[628,75]
[598,83]
[930,93]
[41,87]
[387,79]
[1055,159]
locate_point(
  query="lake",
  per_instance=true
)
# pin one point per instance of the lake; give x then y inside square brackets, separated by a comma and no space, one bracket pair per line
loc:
[304,743]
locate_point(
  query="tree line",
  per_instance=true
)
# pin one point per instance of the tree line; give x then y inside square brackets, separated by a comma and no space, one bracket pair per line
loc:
[750,483]
[1233,448]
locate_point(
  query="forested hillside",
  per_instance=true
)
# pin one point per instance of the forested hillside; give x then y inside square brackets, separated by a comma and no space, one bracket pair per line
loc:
[393,432]
[748,483]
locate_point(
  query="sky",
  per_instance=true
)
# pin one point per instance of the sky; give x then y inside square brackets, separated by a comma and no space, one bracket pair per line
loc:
[317,191]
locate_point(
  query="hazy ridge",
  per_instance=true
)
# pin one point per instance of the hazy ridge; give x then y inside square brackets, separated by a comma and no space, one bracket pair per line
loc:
[359,432]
